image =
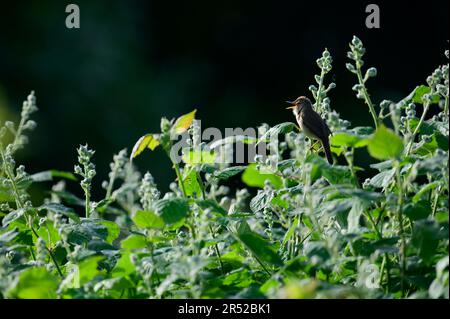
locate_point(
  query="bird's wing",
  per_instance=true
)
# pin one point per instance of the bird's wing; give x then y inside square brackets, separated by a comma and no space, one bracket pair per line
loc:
[327,129]
[315,124]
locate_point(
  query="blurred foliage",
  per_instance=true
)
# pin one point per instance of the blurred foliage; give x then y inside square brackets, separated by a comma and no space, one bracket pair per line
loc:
[131,63]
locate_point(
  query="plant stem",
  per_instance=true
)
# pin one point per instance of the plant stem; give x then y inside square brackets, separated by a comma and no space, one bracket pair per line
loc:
[435,202]
[366,94]
[352,167]
[402,231]
[52,257]
[216,248]
[446,107]
[319,90]
[20,205]
[417,129]
[262,265]
[87,203]
[11,178]
[369,216]
[180,178]
[200,182]
[110,185]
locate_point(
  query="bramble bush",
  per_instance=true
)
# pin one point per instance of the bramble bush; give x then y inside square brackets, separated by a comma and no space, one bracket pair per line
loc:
[313,230]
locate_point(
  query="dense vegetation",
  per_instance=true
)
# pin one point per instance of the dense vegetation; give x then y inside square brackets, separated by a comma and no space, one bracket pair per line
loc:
[312,230]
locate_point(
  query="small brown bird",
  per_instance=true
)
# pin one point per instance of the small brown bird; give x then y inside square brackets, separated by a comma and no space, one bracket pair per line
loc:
[311,123]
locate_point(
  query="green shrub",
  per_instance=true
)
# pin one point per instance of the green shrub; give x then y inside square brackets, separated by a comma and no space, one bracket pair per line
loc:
[313,230]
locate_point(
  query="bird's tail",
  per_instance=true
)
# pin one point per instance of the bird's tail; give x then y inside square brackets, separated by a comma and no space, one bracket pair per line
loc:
[326,148]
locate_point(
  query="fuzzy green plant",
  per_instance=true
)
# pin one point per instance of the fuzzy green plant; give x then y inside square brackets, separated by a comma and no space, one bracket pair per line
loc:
[297,228]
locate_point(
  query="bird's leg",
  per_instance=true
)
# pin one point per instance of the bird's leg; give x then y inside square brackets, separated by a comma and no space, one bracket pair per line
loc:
[312,146]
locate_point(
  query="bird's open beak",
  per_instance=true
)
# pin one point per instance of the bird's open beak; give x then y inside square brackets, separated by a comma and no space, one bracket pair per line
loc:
[292,105]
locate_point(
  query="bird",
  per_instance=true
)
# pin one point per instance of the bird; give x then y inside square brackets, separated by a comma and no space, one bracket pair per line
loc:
[311,123]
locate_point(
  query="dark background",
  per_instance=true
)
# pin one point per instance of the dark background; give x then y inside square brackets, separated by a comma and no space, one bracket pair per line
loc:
[132,62]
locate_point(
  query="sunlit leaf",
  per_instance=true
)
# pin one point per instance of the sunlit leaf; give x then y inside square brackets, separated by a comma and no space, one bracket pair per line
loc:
[254,178]
[184,122]
[150,141]
[193,157]
[147,220]
[348,139]
[35,283]
[385,144]
[191,183]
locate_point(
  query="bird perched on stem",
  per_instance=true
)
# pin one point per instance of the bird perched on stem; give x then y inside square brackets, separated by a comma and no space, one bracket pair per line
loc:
[311,123]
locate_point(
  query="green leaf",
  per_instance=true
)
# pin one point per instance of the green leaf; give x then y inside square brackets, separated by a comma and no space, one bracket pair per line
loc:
[172,210]
[233,139]
[69,198]
[424,190]
[254,178]
[61,209]
[47,176]
[383,179]
[385,144]
[124,266]
[259,246]
[290,231]
[134,241]
[166,212]
[213,206]
[35,283]
[114,284]
[278,129]
[334,174]
[261,200]
[420,91]
[113,230]
[191,184]
[88,269]
[85,231]
[150,141]
[12,216]
[48,232]
[425,239]
[349,139]
[417,210]
[228,172]
[147,220]
[8,236]
[193,157]
[184,122]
